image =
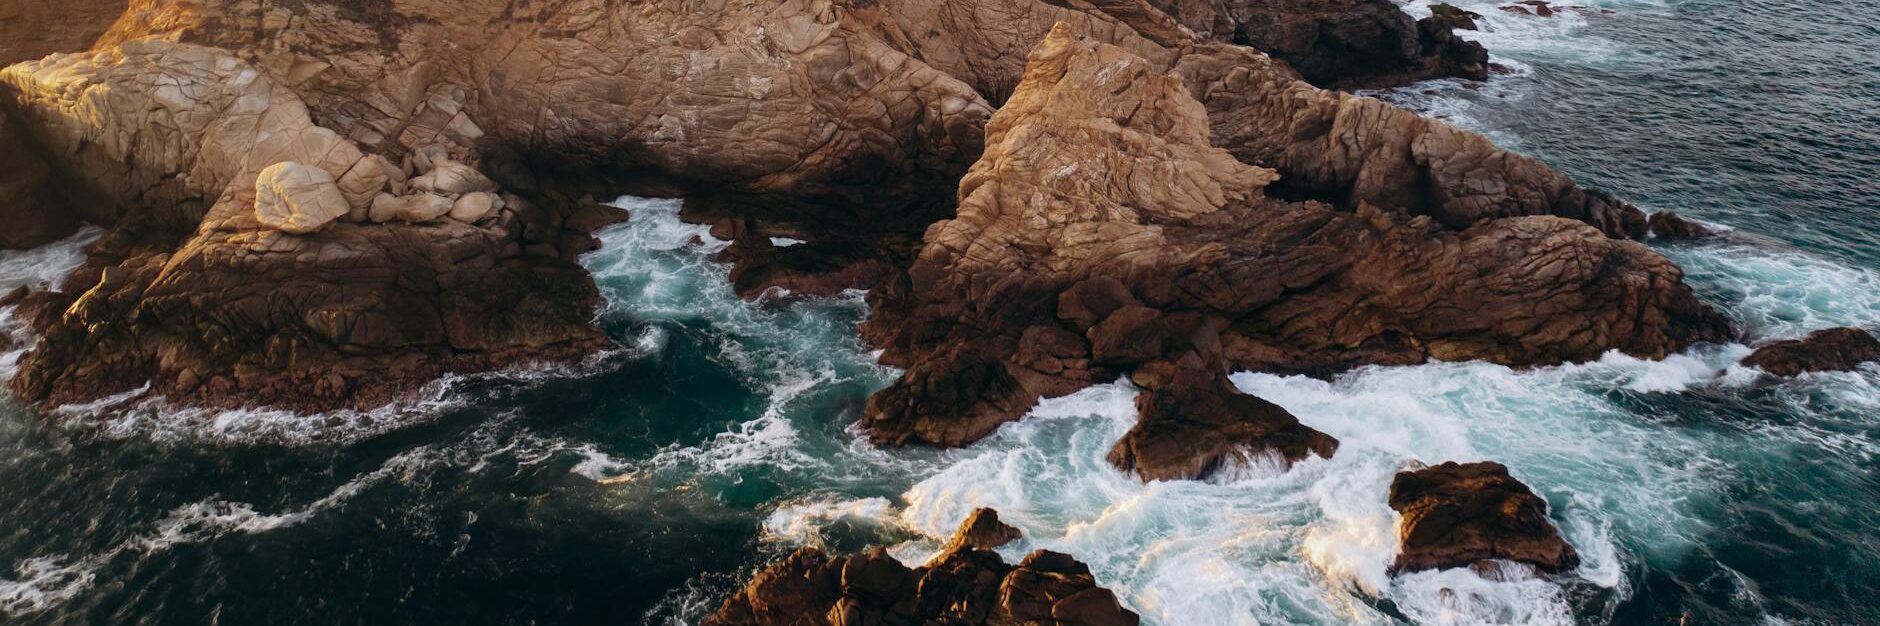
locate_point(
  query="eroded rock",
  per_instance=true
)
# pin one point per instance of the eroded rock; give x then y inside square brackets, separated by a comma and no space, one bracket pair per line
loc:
[1458,515]
[297,199]
[1100,234]
[966,584]
[1833,349]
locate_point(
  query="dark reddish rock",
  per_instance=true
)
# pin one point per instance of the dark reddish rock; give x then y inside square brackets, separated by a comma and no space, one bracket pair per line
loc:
[1834,349]
[1454,16]
[1197,422]
[1669,226]
[1104,236]
[982,530]
[967,584]
[16,296]
[1458,515]
[1338,44]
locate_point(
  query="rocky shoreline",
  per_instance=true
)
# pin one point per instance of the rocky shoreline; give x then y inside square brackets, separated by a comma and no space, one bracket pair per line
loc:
[320,205]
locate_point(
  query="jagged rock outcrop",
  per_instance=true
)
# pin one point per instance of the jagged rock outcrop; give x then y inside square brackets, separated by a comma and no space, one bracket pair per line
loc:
[1196,423]
[835,122]
[1833,349]
[241,270]
[1459,515]
[1343,44]
[967,584]
[1100,234]
[1669,225]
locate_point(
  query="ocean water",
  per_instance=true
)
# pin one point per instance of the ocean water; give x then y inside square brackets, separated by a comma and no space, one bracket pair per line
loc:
[641,486]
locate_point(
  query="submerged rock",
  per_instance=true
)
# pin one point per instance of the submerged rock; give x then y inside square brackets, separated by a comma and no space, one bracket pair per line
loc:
[1833,349]
[967,584]
[1668,225]
[1100,235]
[1459,515]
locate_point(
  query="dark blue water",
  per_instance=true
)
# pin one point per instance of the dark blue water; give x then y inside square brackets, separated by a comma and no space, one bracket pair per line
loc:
[642,486]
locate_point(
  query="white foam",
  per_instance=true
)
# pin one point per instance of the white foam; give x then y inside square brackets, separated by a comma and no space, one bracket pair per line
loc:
[43,582]
[41,269]
[797,523]
[1778,293]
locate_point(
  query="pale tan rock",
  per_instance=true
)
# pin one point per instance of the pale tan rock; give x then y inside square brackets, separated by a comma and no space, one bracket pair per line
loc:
[474,206]
[297,198]
[451,178]
[423,207]
[365,181]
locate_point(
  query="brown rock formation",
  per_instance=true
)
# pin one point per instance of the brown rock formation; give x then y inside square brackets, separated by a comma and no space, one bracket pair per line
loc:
[30,29]
[1455,515]
[967,584]
[1668,225]
[1342,44]
[833,121]
[1198,423]
[261,297]
[1833,349]
[1100,234]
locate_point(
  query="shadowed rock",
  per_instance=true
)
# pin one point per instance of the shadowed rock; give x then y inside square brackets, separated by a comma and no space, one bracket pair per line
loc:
[1833,349]
[1456,515]
[1668,225]
[1100,233]
[967,584]
[1197,423]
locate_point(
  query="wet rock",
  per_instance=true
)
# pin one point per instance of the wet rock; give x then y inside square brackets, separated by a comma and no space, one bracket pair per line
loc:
[1101,235]
[1668,225]
[1459,515]
[965,584]
[1454,16]
[1833,349]
[1197,423]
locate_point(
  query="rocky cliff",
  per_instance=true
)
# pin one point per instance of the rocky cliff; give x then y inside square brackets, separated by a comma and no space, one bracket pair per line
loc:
[1101,234]
[413,171]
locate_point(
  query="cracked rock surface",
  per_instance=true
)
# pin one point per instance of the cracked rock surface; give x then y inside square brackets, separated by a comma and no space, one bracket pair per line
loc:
[1101,235]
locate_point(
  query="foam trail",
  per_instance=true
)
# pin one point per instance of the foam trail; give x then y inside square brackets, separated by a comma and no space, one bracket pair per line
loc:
[40,269]
[42,582]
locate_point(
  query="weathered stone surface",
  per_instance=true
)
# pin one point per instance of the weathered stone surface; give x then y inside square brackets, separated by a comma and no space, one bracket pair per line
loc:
[297,199]
[1456,515]
[1668,225]
[967,584]
[1197,423]
[1100,234]
[220,285]
[1345,44]
[30,29]
[1833,349]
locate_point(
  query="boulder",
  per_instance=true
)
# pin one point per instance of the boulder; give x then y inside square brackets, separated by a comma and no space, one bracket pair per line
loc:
[1667,225]
[966,584]
[297,199]
[450,178]
[1454,17]
[1197,423]
[1833,349]
[363,183]
[1459,515]
[474,206]
[1101,235]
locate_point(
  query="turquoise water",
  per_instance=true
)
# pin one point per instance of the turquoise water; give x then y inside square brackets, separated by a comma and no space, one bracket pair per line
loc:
[641,486]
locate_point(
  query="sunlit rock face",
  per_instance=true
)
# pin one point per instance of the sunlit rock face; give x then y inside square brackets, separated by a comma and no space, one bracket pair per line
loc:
[1101,235]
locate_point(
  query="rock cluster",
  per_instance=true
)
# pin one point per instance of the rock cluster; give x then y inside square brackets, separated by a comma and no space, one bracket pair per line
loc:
[1461,515]
[1101,235]
[847,124]
[243,267]
[967,584]
[1833,349]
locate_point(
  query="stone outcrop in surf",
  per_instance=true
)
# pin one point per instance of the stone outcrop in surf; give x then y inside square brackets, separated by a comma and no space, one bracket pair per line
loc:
[1342,44]
[845,124]
[1462,515]
[1833,349]
[1101,235]
[966,584]
[243,266]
